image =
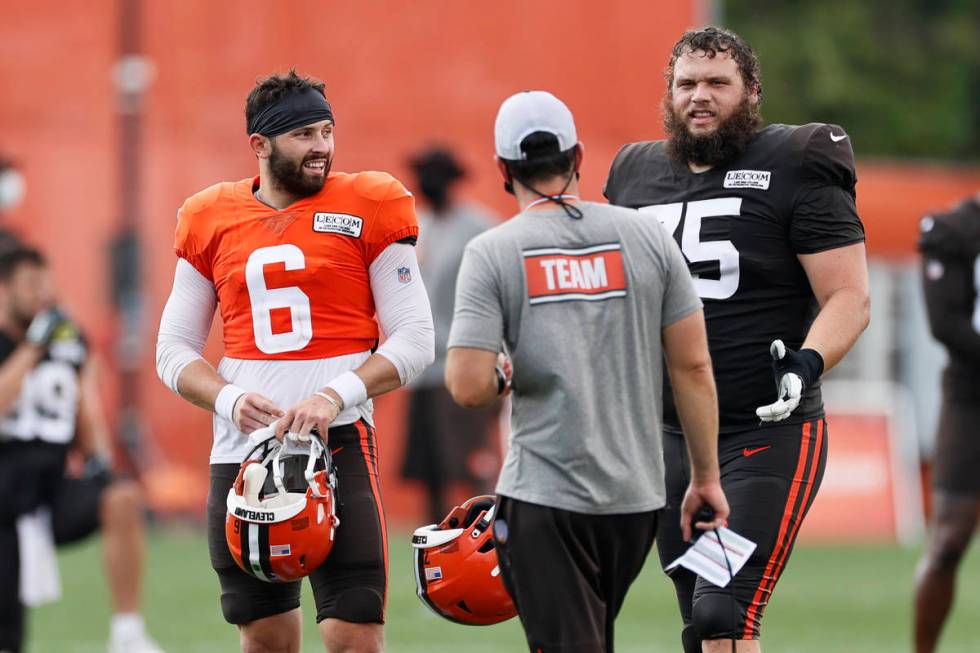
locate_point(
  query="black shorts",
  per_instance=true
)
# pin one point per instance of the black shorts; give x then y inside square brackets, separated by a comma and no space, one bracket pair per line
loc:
[352,584]
[568,572]
[32,475]
[957,456]
[770,476]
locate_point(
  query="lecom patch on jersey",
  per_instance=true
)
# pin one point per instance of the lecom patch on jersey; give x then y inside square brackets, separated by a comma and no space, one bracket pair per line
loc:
[747,179]
[584,274]
[338,223]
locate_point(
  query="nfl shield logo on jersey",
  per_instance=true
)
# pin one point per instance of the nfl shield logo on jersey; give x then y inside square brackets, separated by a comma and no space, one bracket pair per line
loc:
[404,275]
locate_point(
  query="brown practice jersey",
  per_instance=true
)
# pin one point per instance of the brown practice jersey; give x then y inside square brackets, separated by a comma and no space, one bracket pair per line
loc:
[741,226]
[950,246]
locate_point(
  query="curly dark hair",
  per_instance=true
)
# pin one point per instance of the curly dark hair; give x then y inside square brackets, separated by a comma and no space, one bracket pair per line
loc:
[712,40]
[269,89]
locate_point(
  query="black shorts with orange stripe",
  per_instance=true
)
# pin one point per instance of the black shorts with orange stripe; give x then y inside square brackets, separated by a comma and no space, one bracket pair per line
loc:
[771,476]
[352,585]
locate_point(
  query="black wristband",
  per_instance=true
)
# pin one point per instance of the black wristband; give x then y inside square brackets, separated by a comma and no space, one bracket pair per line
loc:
[501,380]
[812,363]
[807,363]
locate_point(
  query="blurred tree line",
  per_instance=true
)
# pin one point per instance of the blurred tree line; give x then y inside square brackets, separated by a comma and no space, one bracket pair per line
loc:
[902,76]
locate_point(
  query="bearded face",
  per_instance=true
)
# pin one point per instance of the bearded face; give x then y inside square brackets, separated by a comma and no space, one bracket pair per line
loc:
[710,148]
[710,115]
[301,175]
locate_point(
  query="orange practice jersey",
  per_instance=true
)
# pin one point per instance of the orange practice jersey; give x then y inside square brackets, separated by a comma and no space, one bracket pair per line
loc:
[293,284]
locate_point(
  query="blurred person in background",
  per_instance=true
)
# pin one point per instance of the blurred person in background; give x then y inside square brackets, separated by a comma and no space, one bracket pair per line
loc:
[449,448]
[766,219]
[588,301]
[950,246]
[300,259]
[12,188]
[50,412]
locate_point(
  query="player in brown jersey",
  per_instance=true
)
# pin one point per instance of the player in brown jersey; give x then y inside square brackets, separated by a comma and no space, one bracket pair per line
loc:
[767,222]
[950,246]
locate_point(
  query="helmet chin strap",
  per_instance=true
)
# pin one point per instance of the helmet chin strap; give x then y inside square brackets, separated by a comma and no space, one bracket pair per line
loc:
[487,518]
[316,450]
[277,472]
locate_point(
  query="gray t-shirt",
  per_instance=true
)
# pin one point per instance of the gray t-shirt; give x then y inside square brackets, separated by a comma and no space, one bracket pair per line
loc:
[579,306]
[440,251]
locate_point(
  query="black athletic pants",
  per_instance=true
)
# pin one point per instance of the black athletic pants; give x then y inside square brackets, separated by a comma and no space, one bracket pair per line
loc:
[569,572]
[32,474]
[770,476]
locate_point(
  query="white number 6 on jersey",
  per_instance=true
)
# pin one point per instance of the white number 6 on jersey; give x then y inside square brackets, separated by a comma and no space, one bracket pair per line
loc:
[264,300]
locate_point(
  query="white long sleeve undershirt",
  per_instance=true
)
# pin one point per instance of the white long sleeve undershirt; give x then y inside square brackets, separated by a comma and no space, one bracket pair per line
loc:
[402,307]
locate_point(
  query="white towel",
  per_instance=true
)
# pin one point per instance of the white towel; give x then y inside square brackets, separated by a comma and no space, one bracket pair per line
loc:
[40,581]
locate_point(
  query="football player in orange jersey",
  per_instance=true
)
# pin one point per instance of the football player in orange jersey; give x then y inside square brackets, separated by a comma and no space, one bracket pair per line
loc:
[300,259]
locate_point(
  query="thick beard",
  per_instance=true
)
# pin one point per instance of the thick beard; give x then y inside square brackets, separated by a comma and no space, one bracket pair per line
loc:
[289,175]
[723,144]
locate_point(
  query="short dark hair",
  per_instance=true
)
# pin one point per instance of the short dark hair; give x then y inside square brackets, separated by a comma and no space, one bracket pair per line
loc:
[544,159]
[14,258]
[268,90]
[712,40]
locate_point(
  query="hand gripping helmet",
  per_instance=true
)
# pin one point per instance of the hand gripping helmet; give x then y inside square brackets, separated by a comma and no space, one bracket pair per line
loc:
[281,526]
[456,570]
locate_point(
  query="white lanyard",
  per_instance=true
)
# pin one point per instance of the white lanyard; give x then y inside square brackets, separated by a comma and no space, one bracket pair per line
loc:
[548,199]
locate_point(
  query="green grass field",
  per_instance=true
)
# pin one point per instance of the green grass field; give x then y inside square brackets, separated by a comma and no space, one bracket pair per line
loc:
[844,600]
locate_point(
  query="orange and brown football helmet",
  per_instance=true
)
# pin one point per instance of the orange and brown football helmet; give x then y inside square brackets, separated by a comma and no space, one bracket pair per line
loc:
[280,525]
[456,570]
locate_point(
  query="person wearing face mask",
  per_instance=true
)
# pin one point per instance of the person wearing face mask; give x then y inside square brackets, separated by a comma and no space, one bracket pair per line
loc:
[12,188]
[448,448]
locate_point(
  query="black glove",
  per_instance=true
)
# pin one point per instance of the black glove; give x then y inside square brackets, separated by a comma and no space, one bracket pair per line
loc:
[47,325]
[794,372]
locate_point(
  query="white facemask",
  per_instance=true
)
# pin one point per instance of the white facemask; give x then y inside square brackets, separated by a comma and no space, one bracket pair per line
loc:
[12,189]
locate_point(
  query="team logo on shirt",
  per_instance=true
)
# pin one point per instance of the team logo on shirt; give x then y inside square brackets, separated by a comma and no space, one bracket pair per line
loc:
[338,223]
[404,275]
[566,275]
[747,179]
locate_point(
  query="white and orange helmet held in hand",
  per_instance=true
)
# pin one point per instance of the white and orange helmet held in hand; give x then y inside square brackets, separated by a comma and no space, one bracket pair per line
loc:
[282,516]
[456,570]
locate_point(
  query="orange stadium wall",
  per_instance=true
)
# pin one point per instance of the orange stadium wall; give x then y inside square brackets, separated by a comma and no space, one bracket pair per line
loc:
[399,75]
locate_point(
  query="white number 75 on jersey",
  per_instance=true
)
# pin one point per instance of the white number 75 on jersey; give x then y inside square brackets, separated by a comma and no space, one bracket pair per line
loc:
[696,250]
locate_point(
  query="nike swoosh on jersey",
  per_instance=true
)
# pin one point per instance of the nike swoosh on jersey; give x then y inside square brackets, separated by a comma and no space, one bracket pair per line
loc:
[837,139]
[751,452]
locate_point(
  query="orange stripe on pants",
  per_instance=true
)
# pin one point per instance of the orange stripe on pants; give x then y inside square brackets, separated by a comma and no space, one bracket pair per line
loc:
[806,497]
[801,466]
[365,441]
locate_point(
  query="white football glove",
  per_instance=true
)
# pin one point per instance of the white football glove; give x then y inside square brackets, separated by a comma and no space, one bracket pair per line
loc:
[789,389]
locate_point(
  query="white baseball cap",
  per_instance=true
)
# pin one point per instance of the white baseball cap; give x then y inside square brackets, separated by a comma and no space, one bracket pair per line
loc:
[525,113]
